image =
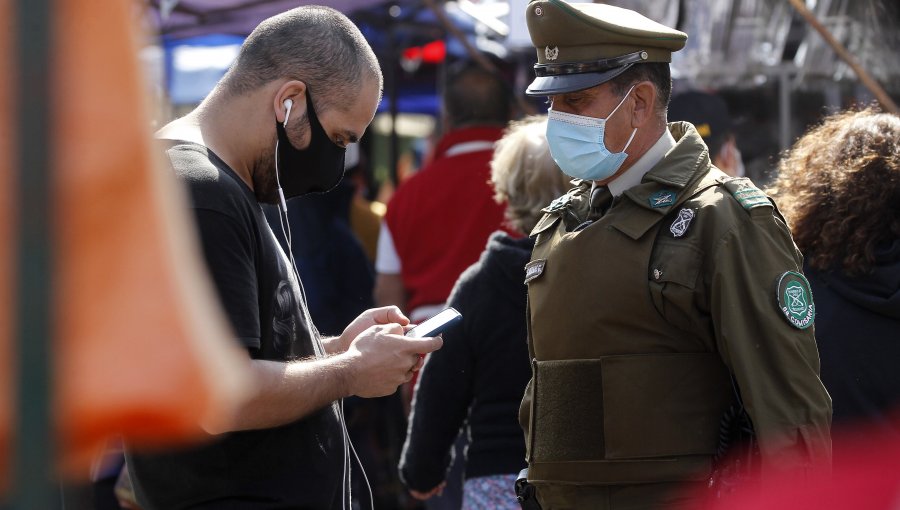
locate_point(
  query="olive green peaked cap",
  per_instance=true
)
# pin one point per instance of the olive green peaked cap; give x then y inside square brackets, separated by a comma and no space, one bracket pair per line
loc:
[580,45]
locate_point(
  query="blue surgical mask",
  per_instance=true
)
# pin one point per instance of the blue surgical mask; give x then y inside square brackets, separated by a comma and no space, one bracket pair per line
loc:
[577,145]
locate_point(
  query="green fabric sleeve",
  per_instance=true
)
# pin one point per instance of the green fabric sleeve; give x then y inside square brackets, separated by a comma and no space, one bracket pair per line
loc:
[776,365]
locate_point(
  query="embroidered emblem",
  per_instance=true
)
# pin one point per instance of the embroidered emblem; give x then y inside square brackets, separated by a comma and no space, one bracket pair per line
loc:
[682,222]
[657,274]
[538,11]
[795,300]
[750,197]
[747,194]
[534,269]
[558,203]
[663,198]
[551,53]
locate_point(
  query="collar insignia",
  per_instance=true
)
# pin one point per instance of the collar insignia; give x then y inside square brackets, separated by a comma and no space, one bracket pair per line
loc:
[558,203]
[662,198]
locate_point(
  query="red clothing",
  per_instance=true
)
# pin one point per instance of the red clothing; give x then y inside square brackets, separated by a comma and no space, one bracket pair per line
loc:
[866,477]
[441,217]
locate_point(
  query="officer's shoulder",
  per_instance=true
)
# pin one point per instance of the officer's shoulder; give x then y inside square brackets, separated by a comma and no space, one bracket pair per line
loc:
[555,209]
[737,197]
[727,205]
[748,195]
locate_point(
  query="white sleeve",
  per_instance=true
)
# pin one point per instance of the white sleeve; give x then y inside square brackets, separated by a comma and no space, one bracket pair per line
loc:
[386,259]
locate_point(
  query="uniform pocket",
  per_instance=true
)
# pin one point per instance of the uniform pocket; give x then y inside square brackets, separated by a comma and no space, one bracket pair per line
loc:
[567,420]
[673,278]
[662,405]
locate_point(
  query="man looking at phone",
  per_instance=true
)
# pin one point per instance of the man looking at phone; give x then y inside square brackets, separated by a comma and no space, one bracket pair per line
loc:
[304,86]
[663,295]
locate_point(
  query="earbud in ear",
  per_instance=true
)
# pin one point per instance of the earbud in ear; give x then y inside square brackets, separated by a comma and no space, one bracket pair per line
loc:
[288,104]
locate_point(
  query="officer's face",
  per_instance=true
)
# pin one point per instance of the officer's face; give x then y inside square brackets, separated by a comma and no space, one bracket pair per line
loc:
[599,102]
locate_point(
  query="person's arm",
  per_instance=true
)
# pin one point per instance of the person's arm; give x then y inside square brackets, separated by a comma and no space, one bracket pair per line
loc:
[389,290]
[375,364]
[374,357]
[443,395]
[776,364]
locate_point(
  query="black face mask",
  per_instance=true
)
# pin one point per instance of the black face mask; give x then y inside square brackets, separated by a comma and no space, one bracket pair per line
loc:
[316,169]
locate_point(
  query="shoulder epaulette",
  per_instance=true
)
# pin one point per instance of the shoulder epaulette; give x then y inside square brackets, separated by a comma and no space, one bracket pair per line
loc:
[747,194]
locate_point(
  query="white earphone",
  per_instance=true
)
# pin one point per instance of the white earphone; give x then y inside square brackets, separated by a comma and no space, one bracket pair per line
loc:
[288,104]
[348,444]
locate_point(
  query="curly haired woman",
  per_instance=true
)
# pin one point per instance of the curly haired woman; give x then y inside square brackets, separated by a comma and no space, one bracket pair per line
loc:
[839,188]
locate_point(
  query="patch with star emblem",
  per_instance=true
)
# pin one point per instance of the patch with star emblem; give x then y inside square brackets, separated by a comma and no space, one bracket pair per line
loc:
[795,299]
[662,198]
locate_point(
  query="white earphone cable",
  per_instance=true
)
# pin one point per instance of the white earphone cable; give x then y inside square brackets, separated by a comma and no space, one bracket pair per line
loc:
[346,482]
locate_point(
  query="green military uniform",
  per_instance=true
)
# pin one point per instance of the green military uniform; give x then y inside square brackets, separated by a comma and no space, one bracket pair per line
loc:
[638,319]
[642,314]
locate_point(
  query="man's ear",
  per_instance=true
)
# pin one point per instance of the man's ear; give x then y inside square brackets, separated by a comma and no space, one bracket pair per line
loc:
[294,90]
[644,104]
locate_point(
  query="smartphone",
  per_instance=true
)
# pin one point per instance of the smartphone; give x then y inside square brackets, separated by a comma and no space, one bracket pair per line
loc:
[436,325]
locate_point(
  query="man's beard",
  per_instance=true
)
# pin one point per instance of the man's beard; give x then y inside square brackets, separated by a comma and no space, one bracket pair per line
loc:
[265,186]
[265,183]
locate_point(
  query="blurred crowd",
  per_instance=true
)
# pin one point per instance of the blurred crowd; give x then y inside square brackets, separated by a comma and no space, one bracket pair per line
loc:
[610,253]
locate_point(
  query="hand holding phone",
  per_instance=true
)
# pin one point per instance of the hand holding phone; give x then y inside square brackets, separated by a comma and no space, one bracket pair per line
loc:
[436,325]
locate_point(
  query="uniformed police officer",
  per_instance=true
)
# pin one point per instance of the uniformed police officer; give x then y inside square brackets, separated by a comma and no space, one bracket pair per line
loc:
[662,293]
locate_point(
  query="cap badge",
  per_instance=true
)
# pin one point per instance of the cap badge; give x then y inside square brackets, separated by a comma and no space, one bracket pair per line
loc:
[551,53]
[682,222]
[538,11]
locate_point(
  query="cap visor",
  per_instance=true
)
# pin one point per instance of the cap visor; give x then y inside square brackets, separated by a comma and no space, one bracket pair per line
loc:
[562,84]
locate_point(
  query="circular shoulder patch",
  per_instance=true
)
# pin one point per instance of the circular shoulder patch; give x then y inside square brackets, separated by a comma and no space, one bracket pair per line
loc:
[795,299]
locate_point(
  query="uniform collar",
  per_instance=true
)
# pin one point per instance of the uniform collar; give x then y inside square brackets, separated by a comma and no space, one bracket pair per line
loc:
[633,176]
[680,174]
[669,183]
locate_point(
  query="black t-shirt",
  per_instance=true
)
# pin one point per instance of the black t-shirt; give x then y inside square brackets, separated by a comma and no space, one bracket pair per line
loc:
[297,465]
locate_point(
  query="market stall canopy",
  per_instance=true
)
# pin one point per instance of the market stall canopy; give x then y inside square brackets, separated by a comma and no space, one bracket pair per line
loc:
[187,18]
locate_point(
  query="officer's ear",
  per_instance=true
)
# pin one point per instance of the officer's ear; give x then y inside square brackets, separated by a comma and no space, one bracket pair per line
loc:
[644,104]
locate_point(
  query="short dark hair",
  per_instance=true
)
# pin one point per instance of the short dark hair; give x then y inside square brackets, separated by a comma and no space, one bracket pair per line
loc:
[316,45]
[657,73]
[474,95]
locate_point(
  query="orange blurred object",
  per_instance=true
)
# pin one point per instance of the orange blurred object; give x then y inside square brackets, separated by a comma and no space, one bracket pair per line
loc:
[140,345]
[7,248]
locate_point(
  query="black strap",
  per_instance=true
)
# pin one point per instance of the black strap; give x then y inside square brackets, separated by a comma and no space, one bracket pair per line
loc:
[594,66]
[525,492]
